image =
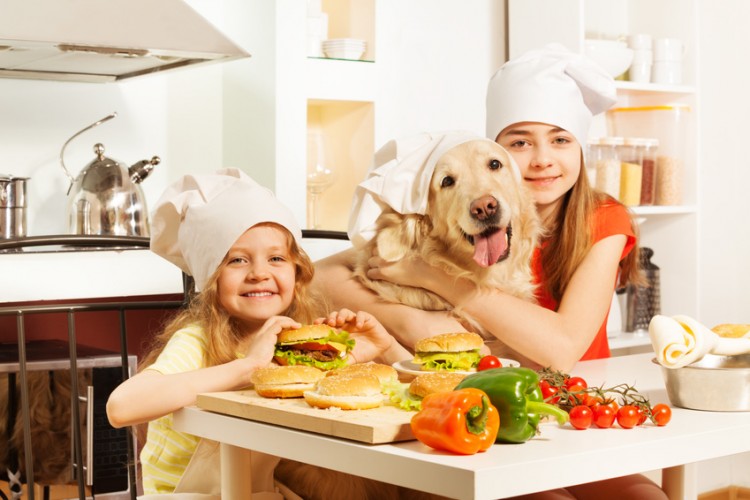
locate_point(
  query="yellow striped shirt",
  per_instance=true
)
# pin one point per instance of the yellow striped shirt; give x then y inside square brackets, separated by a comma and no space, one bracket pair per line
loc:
[167,452]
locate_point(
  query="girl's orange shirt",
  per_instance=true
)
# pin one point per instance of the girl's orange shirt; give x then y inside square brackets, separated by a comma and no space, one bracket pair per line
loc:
[608,220]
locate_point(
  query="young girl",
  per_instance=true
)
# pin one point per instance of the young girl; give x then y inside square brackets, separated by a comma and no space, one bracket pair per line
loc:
[243,249]
[539,107]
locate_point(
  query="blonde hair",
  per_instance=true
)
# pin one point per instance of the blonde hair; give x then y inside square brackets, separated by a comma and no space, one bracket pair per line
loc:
[222,331]
[568,239]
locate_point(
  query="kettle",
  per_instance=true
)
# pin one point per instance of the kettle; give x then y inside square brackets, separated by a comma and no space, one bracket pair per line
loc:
[106,197]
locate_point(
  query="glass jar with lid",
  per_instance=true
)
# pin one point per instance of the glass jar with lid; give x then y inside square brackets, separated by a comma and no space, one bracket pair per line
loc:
[631,170]
[648,177]
[607,165]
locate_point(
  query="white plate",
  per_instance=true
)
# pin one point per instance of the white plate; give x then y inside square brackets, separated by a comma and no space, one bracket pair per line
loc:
[406,366]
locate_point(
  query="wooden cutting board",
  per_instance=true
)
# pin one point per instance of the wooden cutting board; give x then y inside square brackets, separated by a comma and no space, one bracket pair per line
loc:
[386,424]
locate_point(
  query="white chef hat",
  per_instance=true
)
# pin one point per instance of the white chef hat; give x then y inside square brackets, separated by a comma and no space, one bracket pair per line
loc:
[399,178]
[198,219]
[550,85]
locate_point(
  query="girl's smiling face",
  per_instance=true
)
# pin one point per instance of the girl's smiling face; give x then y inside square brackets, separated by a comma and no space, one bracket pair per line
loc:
[549,159]
[257,277]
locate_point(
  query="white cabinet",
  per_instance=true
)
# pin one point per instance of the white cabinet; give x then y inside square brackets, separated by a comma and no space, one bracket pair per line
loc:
[672,231]
[281,93]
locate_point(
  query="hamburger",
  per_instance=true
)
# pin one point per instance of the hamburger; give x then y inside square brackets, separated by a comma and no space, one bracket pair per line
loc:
[319,346]
[449,352]
[285,381]
[348,392]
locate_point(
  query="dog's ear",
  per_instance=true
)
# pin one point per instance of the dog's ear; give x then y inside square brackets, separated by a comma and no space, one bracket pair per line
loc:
[398,235]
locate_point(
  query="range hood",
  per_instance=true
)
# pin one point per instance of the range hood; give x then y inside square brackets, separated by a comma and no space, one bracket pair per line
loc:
[105,40]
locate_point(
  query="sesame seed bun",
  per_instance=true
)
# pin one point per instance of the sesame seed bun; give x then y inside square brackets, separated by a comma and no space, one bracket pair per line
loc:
[356,392]
[285,381]
[384,373]
[430,383]
[306,332]
[450,342]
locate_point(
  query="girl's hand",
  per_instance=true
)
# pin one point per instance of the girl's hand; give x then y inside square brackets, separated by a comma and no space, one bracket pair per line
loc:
[372,338]
[262,344]
[407,271]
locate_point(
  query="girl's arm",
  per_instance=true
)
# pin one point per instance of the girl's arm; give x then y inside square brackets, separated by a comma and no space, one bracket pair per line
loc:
[333,277]
[549,338]
[149,394]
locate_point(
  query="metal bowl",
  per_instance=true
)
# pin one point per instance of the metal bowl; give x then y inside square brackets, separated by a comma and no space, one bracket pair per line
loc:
[713,383]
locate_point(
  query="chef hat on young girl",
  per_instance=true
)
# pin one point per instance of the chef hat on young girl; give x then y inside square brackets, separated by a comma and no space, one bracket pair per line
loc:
[550,85]
[399,179]
[198,218]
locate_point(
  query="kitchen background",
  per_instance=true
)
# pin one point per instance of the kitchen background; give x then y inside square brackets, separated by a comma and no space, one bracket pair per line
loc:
[430,61]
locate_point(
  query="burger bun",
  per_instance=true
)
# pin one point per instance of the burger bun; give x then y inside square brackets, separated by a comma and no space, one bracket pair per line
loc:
[450,342]
[384,373]
[433,382]
[285,381]
[348,392]
[305,332]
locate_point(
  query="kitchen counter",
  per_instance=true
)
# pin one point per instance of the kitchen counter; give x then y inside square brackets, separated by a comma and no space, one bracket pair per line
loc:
[504,470]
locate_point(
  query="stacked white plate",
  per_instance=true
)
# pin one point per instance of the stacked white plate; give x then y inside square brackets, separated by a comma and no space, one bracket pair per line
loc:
[344,48]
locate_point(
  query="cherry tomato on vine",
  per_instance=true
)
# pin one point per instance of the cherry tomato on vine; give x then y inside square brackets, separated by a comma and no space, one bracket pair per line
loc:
[548,391]
[581,398]
[581,417]
[608,402]
[488,362]
[642,415]
[604,416]
[573,381]
[628,416]
[588,400]
[661,414]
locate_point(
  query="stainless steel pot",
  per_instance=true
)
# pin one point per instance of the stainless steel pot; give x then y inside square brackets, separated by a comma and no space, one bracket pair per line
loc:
[106,198]
[713,383]
[12,206]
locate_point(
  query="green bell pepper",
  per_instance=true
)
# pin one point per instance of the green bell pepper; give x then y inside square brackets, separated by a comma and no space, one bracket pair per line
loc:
[516,394]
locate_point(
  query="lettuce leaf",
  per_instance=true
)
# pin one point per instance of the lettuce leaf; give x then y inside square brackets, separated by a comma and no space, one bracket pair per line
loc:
[448,361]
[398,393]
[292,359]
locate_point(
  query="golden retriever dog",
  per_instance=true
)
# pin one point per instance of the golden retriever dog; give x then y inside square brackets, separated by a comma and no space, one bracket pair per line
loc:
[480,224]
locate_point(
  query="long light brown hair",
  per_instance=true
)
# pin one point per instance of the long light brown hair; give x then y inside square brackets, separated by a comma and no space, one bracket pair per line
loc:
[568,238]
[222,330]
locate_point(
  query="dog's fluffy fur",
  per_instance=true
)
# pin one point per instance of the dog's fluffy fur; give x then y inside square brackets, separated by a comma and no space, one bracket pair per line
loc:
[473,193]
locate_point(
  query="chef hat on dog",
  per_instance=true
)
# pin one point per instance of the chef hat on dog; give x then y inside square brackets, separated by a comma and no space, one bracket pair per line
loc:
[198,219]
[399,179]
[550,85]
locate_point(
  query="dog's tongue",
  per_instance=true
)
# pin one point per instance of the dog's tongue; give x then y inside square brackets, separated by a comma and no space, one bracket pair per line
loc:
[487,249]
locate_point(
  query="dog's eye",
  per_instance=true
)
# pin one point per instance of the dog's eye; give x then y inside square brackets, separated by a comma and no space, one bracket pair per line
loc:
[495,164]
[447,182]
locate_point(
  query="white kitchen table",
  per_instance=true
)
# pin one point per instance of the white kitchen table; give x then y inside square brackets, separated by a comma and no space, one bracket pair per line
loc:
[558,457]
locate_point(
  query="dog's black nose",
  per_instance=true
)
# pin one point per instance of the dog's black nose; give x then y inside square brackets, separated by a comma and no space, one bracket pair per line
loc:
[483,208]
